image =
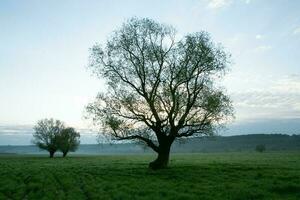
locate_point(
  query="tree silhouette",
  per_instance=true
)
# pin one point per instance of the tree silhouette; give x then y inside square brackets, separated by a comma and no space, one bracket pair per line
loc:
[68,140]
[46,135]
[159,88]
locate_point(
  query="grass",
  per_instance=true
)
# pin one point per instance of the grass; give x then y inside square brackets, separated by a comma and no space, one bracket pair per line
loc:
[212,176]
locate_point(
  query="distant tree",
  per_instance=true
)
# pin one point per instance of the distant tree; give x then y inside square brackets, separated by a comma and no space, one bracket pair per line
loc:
[260,148]
[68,140]
[46,134]
[159,88]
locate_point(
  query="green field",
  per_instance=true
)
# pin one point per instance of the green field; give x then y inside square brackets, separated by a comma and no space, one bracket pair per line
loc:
[190,176]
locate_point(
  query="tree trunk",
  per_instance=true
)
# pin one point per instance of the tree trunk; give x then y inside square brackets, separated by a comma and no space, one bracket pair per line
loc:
[65,154]
[51,154]
[162,159]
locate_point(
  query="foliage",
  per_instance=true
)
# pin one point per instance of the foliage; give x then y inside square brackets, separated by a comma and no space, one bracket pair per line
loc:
[46,134]
[224,176]
[51,135]
[159,88]
[68,140]
[260,148]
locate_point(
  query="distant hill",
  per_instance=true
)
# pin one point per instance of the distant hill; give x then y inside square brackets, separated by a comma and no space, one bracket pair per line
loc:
[273,142]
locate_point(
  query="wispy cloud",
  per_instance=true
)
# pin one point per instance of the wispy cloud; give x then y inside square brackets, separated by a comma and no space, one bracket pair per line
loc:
[28,130]
[296,31]
[259,36]
[263,48]
[22,135]
[290,83]
[217,4]
[279,99]
[15,129]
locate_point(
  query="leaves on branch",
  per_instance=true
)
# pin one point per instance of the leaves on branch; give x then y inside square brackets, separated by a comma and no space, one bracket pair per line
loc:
[159,84]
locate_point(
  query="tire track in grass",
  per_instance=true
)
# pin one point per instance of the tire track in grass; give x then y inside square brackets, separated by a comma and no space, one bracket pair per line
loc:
[6,196]
[59,183]
[34,177]
[83,189]
[26,181]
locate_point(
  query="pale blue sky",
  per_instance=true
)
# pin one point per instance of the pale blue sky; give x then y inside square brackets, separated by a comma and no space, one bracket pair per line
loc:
[44,50]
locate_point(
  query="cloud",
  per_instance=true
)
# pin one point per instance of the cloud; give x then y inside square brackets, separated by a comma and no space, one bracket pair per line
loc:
[217,4]
[15,130]
[290,83]
[263,48]
[28,130]
[22,135]
[279,99]
[296,31]
[258,36]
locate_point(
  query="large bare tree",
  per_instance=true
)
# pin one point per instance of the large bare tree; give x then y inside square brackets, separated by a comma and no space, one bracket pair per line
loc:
[159,88]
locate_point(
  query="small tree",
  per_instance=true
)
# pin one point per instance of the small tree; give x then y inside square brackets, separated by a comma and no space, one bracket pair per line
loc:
[68,141]
[260,148]
[159,88]
[46,135]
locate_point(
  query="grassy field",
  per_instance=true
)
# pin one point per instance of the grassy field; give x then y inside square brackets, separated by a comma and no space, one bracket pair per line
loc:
[190,176]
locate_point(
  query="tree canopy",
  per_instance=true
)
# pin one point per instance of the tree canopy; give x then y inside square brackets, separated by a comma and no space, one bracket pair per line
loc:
[159,87]
[52,135]
[68,140]
[47,133]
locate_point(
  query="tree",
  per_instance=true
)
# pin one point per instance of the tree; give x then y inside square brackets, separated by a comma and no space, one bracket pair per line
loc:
[159,88]
[260,148]
[46,135]
[68,141]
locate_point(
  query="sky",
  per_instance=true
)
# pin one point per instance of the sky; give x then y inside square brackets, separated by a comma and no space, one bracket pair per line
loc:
[44,50]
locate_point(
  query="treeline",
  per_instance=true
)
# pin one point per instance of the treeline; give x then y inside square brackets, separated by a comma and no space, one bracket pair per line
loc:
[240,143]
[271,142]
